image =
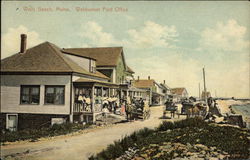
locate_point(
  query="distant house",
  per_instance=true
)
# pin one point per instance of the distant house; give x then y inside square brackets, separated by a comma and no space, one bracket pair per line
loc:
[166,90]
[45,84]
[154,90]
[179,93]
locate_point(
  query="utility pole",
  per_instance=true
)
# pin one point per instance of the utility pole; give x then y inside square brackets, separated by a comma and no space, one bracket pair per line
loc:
[199,91]
[205,90]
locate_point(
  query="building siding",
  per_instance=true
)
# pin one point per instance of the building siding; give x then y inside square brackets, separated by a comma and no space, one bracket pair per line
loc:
[120,71]
[10,93]
[81,61]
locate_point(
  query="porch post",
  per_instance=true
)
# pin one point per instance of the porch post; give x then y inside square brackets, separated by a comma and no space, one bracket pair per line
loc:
[127,94]
[72,94]
[102,94]
[93,102]
[109,92]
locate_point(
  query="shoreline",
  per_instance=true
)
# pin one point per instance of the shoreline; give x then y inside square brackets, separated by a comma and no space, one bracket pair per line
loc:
[232,107]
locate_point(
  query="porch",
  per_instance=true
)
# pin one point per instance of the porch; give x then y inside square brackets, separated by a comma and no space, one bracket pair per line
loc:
[92,96]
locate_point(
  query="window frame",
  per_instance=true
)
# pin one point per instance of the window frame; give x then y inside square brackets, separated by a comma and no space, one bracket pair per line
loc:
[29,86]
[7,121]
[54,86]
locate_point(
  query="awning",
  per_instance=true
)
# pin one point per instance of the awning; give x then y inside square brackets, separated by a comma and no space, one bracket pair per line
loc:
[93,82]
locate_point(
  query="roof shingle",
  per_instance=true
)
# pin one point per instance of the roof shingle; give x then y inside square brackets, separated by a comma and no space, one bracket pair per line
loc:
[45,57]
[105,56]
[178,91]
[143,83]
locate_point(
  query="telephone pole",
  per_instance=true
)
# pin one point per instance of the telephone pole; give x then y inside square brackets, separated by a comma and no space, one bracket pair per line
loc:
[205,90]
[199,91]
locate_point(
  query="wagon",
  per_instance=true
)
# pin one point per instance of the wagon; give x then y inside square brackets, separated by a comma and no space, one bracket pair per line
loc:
[140,110]
[170,107]
[194,109]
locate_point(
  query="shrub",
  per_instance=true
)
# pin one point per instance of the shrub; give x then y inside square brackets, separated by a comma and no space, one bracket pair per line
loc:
[194,131]
[191,122]
[33,134]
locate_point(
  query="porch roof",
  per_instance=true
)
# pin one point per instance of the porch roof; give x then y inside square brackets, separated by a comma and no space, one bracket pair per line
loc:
[92,82]
[157,94]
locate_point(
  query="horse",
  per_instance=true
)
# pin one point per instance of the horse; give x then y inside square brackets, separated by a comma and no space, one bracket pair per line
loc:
[195,110]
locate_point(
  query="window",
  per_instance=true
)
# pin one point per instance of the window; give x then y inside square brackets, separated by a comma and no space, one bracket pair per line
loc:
[93,69]
[54,94]
[30,94]
[11,122]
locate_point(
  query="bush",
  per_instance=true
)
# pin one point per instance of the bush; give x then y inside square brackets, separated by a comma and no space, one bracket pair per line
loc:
[119,147]
[191,122]
[33,134]
[194,131]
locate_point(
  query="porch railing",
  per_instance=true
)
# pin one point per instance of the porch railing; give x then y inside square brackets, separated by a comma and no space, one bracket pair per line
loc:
[81,107]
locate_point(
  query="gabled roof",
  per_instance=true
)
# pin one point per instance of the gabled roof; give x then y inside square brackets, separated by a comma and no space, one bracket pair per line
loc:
[144,83]
[130,70]
[165,86]
[178,91]
[45,57]
[105,56]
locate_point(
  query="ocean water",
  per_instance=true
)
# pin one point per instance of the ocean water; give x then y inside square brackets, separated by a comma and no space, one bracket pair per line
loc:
[244,110]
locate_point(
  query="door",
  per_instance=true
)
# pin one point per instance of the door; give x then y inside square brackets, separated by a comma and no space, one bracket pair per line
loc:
[12,122]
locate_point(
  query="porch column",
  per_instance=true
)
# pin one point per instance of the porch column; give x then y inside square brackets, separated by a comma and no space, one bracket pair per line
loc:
[108,92]
[93,102]
[72,96]
[102,94]
[127,94]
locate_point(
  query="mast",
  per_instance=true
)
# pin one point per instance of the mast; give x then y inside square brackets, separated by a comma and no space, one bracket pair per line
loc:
[205,89]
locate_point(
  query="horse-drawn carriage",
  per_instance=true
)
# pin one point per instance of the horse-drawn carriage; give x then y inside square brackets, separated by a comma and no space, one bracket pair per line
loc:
[170,107]
[194,109]
[138,109]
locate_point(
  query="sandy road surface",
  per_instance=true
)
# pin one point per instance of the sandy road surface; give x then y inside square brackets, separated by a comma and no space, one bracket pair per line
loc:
[81,146]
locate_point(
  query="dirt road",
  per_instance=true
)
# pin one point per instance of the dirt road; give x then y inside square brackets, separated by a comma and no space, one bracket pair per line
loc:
[79,146]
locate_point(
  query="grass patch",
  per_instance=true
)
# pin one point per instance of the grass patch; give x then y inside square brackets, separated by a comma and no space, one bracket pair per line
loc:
[232,140]
[34,134]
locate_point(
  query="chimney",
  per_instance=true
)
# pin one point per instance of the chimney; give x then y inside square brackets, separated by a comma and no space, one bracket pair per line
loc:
[164,81]
[148,77]
[23,43]
[138,78]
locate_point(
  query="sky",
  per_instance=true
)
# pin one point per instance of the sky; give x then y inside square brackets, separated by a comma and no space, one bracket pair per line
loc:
[168,40]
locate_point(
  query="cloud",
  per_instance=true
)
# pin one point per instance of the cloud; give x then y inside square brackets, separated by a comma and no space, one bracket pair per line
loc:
[152,35]
[128,17]
[149,36]
[230,79]
[93,35]
[11,40]
[179,71]
[226,37]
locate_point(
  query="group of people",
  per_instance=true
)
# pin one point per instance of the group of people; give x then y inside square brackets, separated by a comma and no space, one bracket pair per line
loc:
[86,102]
[111,104]
[132,105]
[192,107]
